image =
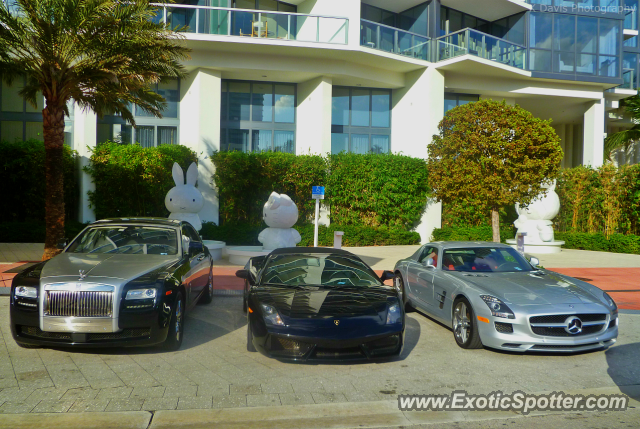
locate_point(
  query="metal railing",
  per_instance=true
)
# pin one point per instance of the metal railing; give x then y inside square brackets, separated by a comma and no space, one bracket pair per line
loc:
[254,23]
[481,45]
[391,39]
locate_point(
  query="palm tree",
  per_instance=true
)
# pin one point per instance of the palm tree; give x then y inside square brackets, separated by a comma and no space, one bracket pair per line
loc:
[625,138]
[102,54]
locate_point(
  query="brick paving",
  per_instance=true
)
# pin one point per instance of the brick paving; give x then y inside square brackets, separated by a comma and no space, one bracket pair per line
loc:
[214,370]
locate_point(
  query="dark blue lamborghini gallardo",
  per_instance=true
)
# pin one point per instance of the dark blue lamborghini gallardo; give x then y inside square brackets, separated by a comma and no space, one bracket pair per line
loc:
[320,304]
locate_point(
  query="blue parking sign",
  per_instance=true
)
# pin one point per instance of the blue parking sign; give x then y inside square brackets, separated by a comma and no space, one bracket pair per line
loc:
[317,192]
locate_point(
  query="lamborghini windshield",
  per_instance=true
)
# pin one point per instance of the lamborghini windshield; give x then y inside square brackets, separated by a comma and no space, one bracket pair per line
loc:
[126,239]
[484,259]
[317,270]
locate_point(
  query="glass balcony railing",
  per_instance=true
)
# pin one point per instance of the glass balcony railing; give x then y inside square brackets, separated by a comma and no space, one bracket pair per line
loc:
[481,45]
[255,23]
[628,79]
[394,40]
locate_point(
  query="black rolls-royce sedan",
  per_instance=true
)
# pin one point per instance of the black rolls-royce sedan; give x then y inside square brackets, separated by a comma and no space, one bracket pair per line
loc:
[320,303]
[120,282]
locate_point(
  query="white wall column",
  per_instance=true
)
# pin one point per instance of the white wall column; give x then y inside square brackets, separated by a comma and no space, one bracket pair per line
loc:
[200,101]
[593,142]
[418,108]
[313,117]
[84,140]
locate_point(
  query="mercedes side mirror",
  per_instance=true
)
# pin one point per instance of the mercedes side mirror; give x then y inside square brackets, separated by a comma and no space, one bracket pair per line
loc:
[62,244]
[387,275]
[429,263]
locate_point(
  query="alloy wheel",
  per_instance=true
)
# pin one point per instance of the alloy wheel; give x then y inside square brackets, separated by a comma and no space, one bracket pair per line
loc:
[462,323]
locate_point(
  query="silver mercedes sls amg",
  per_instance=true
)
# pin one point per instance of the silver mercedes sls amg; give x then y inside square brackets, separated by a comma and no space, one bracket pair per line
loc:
[490,295]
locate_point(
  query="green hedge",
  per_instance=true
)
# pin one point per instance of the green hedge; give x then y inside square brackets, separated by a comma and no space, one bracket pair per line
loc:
[377,190]
[371,190]
[34,231]
[617,243]
[247,235]
[472,233]
[23,181]
[245,181]
[133,181]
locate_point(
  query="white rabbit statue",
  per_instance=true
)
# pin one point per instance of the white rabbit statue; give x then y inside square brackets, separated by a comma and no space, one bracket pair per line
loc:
[185,200]
[280,214]
[535,220]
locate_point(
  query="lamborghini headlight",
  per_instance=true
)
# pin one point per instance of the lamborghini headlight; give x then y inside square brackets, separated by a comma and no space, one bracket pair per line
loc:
[271,315]
[394,315]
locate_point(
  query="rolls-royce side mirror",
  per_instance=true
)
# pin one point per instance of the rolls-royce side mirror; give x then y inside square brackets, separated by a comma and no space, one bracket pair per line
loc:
[62,244]
[534,261]
[195,248]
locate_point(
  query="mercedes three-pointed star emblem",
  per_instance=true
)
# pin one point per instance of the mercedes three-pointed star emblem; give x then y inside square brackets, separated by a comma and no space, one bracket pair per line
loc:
[573,325]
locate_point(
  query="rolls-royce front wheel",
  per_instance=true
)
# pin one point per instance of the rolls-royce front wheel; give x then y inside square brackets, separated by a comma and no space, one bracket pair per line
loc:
[176,327]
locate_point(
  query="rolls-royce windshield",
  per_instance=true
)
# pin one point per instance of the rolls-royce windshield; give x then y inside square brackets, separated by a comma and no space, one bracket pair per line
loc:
[126,240]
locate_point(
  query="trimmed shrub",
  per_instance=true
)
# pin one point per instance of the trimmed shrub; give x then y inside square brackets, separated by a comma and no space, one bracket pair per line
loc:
[247,235]
[132,180]
[472,233]
[34,231]
[23,187]
[616,243]
[245,181]
[376,190]
[371,190]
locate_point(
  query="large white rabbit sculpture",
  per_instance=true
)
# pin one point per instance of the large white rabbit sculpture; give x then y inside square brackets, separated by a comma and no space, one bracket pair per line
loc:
[535,220]
[185,200]
[280,214]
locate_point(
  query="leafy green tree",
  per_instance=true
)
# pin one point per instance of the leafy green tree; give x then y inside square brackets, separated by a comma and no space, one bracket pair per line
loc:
[102,54]
[625,138]
[491,155]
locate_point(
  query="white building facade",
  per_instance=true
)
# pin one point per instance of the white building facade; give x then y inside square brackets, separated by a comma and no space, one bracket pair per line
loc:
[323,76]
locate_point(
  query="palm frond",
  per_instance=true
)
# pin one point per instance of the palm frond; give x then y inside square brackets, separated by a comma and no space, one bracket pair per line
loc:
[621,139]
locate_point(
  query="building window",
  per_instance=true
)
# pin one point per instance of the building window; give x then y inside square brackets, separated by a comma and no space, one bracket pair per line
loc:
[258,116]
[570,44]
[360,120]
[20,121]
[150,131]
[452,100]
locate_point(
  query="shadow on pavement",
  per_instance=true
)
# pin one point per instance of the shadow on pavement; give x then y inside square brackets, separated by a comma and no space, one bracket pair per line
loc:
[623,368]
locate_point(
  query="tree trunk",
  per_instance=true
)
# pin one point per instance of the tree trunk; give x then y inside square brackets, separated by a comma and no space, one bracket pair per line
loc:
[53,123]
[495,224]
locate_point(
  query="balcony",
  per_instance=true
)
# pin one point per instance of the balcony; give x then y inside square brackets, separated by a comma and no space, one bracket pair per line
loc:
[472,42]
[257,24]
[394,40]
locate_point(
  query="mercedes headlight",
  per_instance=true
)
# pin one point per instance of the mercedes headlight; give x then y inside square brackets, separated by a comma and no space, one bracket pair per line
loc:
[27,292]
[149,293]
[497,307]
[271,315]
[610,302]
[394,315]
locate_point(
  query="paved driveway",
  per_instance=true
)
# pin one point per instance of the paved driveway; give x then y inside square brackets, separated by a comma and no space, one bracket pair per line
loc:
[213,369]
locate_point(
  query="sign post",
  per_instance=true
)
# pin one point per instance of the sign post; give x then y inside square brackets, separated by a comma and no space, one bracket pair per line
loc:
[317,193]
[520,242]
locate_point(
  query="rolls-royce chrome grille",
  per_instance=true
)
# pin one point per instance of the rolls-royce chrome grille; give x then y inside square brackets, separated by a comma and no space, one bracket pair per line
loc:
[79,303]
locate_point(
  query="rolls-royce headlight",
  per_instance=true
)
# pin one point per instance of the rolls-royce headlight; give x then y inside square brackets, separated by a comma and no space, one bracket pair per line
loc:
[27,292]
[497,307]
[394,315]
[271,315]
[610,302]
[149,293]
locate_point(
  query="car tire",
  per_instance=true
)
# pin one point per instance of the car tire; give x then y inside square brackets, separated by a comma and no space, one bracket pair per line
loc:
[250,347]
[244,297]
[398,282]
[465,325]
[176,326]
[207,295]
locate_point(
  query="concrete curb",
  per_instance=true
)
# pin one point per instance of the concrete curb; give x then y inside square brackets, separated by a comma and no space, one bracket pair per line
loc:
[315,416]
[115,420]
